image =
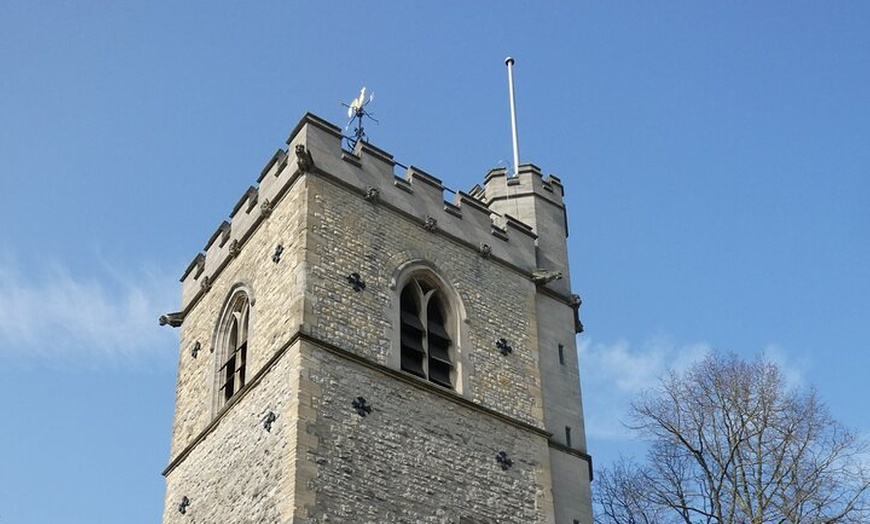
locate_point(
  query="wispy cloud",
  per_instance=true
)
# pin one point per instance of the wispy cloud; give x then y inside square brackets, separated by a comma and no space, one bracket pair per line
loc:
[612,374]
[107,313]
[793,370]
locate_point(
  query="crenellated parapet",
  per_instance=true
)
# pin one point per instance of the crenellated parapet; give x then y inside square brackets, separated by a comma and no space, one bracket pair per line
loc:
[483,218]
[529,181]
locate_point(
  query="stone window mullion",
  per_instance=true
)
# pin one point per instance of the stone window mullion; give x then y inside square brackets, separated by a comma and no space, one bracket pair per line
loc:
[425,343]
[424,319]
[234,347]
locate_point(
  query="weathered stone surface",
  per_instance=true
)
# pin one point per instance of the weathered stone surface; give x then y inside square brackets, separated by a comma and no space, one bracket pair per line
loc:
[240,472]
[417,457]
[317,342]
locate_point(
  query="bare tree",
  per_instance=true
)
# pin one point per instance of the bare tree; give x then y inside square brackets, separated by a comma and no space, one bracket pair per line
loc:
[621,496]
[731,443]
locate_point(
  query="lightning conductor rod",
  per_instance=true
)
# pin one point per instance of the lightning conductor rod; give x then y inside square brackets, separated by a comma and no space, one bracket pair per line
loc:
[509,62]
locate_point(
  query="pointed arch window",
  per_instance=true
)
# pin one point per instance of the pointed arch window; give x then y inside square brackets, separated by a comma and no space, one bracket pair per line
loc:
[427,347]
[233,354]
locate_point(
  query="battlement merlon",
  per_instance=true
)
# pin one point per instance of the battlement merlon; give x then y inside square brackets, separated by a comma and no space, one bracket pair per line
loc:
[493,220]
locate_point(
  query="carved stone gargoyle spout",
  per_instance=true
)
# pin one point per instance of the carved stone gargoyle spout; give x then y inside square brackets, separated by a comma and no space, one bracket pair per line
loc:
[304,161]
[545,276]
[173,319]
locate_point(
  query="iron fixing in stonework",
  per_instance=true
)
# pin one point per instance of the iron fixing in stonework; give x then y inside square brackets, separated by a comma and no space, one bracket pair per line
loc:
[277,256]
[356,281]
[268,420]
[503,460]
[361,406]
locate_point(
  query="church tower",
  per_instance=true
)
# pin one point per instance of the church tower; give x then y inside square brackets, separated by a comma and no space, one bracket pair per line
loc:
[356,349]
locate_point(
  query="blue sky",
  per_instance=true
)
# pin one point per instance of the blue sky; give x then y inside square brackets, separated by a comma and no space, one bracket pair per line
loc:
[714,155]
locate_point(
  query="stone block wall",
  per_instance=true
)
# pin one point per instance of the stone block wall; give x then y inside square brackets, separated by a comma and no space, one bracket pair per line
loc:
[425,453]
[347,234]
[417,457]
[276,313]
[240,472]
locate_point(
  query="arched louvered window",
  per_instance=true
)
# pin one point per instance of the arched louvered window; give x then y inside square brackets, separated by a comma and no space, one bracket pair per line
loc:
[233,346]
[426,343]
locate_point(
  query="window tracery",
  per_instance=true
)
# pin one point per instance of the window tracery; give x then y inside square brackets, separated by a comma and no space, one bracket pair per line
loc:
[232,346]
[427,346]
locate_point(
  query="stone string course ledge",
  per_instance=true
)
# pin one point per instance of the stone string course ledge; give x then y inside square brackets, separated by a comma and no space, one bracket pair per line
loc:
[315,148]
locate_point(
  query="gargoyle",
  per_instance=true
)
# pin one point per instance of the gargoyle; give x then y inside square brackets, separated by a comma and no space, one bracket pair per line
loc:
[173,319]
[303,158]
[545,276]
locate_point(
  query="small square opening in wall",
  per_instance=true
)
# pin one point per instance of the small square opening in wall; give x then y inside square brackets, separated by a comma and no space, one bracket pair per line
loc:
[561,354]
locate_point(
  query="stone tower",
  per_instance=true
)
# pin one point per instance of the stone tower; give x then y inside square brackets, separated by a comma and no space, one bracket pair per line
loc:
[356,349]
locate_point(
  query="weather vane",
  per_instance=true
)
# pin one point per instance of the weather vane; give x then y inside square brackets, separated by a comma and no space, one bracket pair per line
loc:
[356,110]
